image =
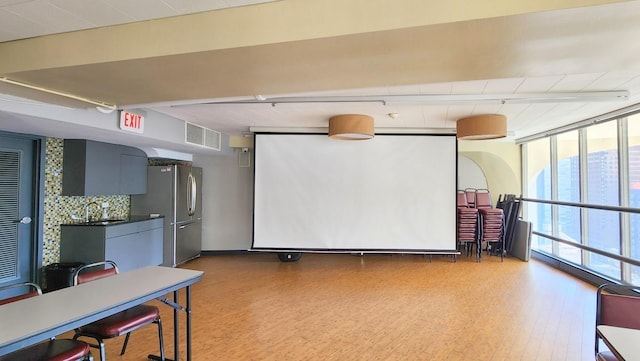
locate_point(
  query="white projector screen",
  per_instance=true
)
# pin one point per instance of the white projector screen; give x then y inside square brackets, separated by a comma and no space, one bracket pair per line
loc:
[393,193]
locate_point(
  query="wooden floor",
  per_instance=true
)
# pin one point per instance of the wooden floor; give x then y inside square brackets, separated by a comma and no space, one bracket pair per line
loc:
[380,307]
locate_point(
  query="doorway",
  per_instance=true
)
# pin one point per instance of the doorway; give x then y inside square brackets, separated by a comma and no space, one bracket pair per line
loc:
[20,198]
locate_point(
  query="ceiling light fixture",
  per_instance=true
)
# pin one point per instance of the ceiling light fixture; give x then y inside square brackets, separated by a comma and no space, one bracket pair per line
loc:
[478,127]
[351,127]
[55,92]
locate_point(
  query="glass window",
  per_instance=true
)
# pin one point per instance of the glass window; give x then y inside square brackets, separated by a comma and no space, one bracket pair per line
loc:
[568,154]
[587,169]
[604,265]
[538,175]
[602,188]
[633,138]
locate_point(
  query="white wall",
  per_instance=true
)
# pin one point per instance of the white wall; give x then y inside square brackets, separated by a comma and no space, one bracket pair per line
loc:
[469,174]
[227,202]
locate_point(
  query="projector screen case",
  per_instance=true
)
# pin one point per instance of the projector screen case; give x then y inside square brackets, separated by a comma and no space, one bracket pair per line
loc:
[394,193]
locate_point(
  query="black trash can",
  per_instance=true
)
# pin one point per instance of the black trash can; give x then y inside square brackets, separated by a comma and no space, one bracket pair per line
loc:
[59,275]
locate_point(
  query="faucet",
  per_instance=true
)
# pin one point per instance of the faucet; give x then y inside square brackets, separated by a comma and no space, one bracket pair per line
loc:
[86,211]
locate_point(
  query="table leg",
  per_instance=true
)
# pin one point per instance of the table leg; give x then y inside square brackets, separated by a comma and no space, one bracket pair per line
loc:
[176,326]
[188,312]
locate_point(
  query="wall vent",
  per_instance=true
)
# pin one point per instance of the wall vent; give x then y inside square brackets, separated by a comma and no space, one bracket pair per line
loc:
[204,137]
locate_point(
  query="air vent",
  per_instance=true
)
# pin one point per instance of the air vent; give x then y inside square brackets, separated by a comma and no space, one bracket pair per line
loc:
[195,134]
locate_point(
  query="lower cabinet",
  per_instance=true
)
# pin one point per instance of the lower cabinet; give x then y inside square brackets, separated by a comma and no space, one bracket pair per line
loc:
[130,245]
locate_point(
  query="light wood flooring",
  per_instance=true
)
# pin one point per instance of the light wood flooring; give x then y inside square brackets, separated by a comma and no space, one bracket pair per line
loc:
[379,307]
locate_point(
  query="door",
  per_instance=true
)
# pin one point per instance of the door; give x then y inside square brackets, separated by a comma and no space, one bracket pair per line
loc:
[17,233]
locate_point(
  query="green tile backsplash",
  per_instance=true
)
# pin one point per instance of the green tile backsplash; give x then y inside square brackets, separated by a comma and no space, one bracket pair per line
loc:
[58,209]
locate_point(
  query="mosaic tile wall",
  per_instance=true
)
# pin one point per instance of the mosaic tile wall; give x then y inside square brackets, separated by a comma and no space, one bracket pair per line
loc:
[58,209]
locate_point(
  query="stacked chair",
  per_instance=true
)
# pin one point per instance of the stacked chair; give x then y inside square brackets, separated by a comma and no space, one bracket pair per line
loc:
[491,223]
[467,225]
[470,193]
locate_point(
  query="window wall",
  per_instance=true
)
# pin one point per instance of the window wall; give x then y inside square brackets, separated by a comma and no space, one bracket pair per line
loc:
[568,163]
[539,173]
[584,191]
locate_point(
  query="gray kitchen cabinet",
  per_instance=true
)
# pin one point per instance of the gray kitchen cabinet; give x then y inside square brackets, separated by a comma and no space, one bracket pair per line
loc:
[131,245]
[133,173]
[93,168]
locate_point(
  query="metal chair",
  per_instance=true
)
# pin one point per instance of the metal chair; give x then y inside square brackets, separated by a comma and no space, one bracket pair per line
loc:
[121,323]
[621,309]
[52,350]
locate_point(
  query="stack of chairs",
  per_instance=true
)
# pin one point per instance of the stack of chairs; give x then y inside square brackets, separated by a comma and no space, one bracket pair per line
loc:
[467,226]
[491,223]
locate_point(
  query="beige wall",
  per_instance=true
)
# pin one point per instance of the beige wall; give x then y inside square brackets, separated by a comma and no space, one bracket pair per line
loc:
[499,160]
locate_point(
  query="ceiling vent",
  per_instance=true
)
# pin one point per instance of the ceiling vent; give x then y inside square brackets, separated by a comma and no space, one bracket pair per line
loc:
[204,137]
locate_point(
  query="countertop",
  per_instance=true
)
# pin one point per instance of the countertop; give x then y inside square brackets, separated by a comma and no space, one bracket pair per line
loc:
[111,222]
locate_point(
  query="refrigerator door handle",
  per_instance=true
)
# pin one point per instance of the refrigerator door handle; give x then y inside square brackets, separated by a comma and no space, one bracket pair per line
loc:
[192,197]
[189,194]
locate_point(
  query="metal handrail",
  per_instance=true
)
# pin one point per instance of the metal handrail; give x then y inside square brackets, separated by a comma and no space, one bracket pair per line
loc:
[585,205]
[618,257]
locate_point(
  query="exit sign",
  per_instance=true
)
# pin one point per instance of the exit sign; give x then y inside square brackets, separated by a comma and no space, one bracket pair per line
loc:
[131,122]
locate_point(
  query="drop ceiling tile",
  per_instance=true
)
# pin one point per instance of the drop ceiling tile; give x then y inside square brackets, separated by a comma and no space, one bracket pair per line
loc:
[611,81]
[96,12]
[539,84]
[575,82]
[436,117]
[633,82]
[460,111]
[194,6]
[50,17]
[502,86]
[401,90]
[248,2]
[12,2]
[487,108]
[143,9]
[436,88]
[17,26]
[469,87]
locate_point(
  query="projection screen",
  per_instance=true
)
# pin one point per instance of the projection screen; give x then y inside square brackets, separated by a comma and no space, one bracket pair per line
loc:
[393,193]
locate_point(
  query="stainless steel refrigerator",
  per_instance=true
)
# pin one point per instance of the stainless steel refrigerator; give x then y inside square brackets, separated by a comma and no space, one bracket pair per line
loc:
[174,192]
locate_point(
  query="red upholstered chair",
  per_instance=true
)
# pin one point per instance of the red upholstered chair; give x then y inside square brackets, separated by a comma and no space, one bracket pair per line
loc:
[52,350]
[621,309]
[121,323]
[470,193]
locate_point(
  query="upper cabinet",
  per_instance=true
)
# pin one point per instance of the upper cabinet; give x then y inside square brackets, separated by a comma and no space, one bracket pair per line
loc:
[93,168]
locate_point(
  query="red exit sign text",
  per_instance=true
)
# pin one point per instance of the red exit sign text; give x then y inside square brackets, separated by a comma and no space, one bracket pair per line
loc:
[131,122]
